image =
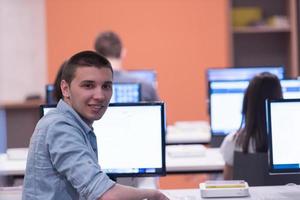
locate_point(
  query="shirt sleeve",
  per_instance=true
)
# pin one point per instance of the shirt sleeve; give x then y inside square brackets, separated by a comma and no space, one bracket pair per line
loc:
[227,149]
[72,158]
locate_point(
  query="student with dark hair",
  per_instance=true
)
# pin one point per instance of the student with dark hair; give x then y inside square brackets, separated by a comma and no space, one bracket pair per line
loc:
[251,137]
[62,160]
[110,45]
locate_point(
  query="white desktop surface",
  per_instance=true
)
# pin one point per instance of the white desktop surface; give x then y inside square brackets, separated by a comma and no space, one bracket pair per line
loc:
[185,132]
[211,160]
[256,193]
[11,166]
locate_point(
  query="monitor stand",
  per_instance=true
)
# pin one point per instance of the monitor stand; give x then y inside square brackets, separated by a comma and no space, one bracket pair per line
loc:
[216,140]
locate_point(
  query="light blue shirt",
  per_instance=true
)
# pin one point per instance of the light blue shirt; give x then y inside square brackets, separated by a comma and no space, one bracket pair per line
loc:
[62,161]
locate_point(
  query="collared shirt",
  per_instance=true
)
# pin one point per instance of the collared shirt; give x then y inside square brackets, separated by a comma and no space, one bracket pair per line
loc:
[62,161]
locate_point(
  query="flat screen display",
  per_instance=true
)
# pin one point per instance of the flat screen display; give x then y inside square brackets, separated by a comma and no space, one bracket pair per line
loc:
[283,129]
[226,99]
[131,139]
[126,93]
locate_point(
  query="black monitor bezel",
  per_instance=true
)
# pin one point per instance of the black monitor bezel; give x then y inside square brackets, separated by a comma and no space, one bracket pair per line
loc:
[159,172]
[272,169]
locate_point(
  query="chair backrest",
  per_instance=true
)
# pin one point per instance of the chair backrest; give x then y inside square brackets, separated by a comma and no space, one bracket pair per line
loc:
[253,168]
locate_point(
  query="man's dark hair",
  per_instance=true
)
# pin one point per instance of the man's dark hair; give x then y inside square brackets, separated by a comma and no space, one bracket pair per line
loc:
[109,44]
[57,94]
[83,59]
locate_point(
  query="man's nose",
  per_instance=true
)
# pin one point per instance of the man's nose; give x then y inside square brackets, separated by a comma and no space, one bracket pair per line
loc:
[99,94]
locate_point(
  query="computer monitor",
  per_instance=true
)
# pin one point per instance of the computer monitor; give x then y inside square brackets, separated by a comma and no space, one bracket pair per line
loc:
[126,93]
[50,94]
[226,99]
[122,93]
[283,129]
[146,75]
[239,74]
[131,139]
[242,73]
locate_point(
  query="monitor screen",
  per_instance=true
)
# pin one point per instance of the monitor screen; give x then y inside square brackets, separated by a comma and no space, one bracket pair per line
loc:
[283,129]
[126,93]
[242,73]
[131,139]
[144,74]
[226,99]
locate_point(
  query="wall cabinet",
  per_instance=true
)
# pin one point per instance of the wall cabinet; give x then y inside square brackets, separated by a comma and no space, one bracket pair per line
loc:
[273,40]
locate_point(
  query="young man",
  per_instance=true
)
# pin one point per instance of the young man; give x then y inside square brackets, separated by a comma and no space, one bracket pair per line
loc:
[110,45]
[62,161]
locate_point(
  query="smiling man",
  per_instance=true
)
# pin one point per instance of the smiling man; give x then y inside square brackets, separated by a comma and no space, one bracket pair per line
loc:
[62,161]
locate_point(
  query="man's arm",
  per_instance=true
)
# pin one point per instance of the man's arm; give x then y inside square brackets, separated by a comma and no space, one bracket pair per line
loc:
[120,192]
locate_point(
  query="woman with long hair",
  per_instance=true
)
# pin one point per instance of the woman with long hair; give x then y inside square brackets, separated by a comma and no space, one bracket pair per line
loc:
[251,136]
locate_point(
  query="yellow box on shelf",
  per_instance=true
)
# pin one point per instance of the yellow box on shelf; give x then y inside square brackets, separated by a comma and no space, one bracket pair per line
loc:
[245,16]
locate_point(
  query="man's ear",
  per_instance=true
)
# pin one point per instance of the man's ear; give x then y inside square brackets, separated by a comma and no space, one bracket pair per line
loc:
[123,53]
[65,89]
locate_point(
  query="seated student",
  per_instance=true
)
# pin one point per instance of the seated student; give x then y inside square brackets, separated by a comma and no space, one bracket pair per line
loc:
[109,45]
[251,137]
[62,160]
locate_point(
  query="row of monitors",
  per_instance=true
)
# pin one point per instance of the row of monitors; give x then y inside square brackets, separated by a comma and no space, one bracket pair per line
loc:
[226,99]
[122,92]
[242,73]
[226,88]
[130,138]
[226,91]
[136,146]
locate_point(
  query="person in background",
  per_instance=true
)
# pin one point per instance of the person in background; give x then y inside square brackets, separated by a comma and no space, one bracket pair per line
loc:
[110,45]
[252,135]
[62,160]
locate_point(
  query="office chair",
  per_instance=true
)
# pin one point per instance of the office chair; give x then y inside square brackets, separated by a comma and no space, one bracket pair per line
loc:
[253,168]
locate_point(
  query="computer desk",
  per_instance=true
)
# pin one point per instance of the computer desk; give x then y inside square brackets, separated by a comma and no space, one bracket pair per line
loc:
[256,193]
[210,161]
[188,132]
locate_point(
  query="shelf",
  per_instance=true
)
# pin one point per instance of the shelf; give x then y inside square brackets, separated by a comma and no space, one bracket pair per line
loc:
[261,29]
[263,43]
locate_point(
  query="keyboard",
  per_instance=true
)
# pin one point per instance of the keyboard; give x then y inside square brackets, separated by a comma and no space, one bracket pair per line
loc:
[186,150]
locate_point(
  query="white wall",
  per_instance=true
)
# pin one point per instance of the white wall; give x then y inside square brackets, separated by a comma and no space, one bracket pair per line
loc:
[22,49]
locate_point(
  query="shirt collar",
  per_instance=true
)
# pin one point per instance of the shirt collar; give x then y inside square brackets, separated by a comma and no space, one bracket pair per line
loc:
[67,109]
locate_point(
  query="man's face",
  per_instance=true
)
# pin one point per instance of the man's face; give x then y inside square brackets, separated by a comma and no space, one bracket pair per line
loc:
[89,92]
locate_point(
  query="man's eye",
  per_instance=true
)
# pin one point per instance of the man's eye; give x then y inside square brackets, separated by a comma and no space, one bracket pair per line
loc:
[107,86]
[88,86]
